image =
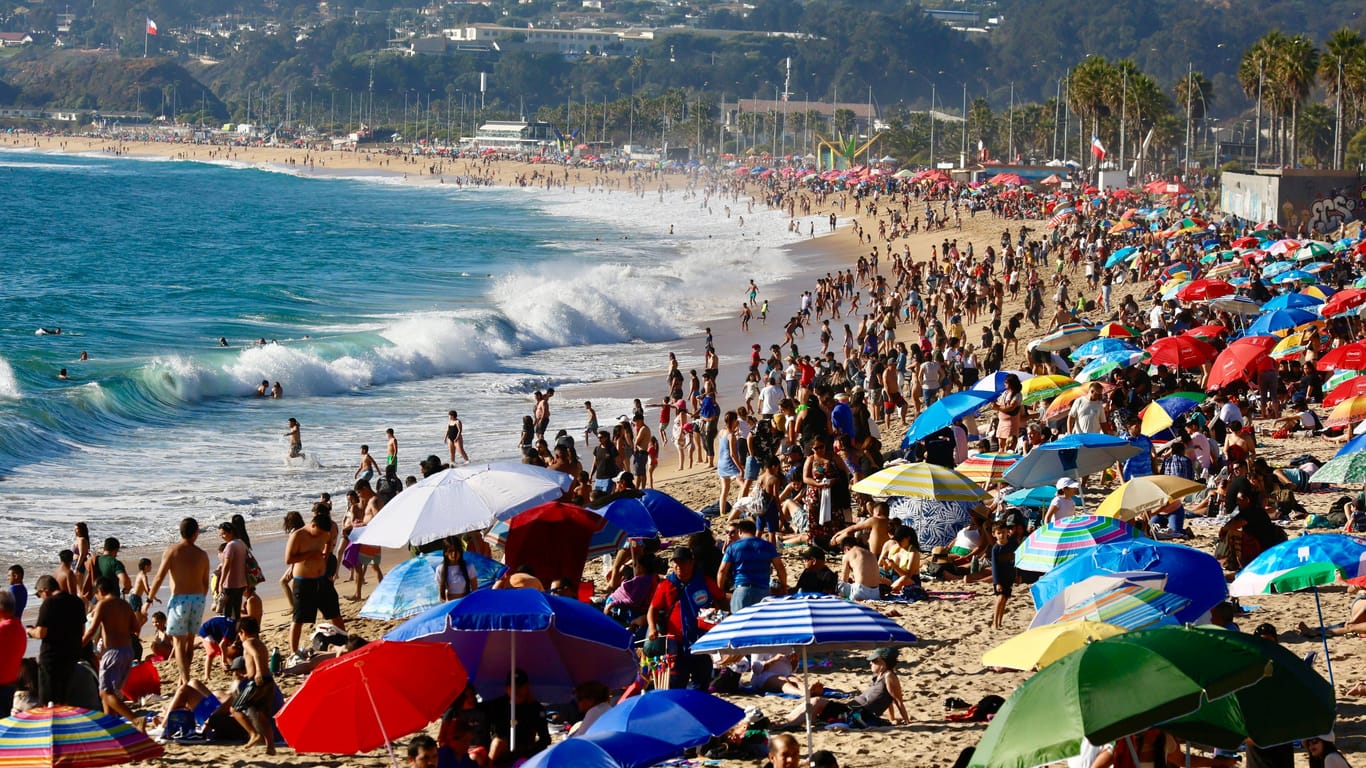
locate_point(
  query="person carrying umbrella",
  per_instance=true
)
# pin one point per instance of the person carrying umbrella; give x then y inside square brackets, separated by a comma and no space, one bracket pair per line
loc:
[674,608]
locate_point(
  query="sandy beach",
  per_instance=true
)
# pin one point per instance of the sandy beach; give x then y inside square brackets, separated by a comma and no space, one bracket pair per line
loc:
[954,631]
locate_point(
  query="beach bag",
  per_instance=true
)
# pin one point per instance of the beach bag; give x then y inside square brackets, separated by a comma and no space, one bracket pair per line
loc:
[180,724]
[826,506]
[254,573]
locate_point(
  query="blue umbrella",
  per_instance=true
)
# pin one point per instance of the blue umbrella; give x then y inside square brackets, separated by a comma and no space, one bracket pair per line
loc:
[667,516]
[944,412]
[1291,276]
[809,622]
[995,383]
[1069,456]
[1277,268]
[1357,443]
[1291,301]
[1191,573]
[1102,346]
[1119,256]
[936,523]
[1280,320]
[558,642]
[683,718]
[412,586]
[606,750]
[1033,498]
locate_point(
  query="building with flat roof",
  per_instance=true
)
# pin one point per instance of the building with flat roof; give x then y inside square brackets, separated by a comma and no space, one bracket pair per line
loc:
[515,135]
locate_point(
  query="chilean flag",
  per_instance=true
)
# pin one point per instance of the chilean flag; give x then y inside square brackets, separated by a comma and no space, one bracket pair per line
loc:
[1097,148]
[151,27]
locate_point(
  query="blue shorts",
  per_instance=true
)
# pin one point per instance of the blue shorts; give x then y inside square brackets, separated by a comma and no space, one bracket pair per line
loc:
[604,485]
[751,468]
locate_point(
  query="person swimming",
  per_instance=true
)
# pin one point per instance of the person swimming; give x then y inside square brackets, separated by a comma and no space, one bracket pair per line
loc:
[62,374]
[264,388]
[57,331]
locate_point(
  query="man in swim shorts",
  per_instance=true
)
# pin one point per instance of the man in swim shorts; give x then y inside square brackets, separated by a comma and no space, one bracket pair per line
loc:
[117,624]
[308,555]
[188,567]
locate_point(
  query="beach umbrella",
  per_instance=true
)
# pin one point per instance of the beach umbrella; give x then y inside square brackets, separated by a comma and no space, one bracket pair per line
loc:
[995,383]
[1347,412]
[809,623]
[1294,275]
[1271,323]
[610,749]
[1122,255]
[554,537]
[1101,346]
[1073,456]
[1290,301]
[1117,331]
[1181,352]
[1112,688]
[1189,572]
[1343,300]
[1293,702]
[1146,494]
[667,516]
[1038,647]
[1046,387]
[462,499]
[1238,362]
[683,718]
[1318,291]
[1207,332]
[1276,269]
[936,523]
[944,411]
[72,736]
[1161,414]
[409,588]
[1204,290]
[1061,404]
[1343,469]
[987,468]
[1283,247]
[1313,250]
[1350,357]
[1065,336]
[920,479]
[1171,289]
[1032,498]
[1354,445]
[1349,388]
[1061,540]
[1225,269]
[1103,366]
[366,699]
[1236,305]
[558,642]
[1130,606]
[1245,242]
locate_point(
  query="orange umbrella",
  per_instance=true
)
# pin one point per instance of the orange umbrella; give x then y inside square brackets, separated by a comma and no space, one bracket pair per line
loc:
[1063,403]
[1347,412]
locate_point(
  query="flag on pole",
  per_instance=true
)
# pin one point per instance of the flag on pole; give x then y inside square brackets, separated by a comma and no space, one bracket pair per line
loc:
[151,27]
[1097,148]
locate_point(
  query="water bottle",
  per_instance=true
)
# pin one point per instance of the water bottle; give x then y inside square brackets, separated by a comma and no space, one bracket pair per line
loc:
[275,661]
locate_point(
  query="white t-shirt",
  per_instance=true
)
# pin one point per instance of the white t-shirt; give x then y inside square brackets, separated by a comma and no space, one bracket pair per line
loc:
[930,374]
[1087,414]
[769,397]
[1229,413]
[1155,316]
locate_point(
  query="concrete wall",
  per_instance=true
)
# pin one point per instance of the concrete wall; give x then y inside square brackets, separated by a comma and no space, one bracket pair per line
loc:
[1320,201]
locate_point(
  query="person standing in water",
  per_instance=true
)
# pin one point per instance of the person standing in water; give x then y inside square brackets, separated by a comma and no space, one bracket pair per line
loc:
[391,457]
[296,441]
[455,437]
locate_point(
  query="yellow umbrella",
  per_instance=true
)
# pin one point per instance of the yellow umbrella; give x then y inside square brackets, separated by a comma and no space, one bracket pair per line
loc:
[1045,387]
[1144,494]
[1041,646]
[920,480]
[1291,346]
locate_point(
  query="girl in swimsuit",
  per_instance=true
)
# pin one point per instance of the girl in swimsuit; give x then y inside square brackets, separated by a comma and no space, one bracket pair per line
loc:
[455,437]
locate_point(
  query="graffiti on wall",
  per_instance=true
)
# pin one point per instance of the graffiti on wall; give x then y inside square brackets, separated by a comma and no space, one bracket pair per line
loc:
[1326,212]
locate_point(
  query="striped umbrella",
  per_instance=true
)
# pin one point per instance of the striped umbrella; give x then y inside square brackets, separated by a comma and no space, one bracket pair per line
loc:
[1061,540]
[1162,413]
[1117,331]
[1101,346]
[920,479]
[1291,346]
[71,736]
[987,468]
[816,623]
[1130,606]
[1047,387]
[1068,335]
[1347,412]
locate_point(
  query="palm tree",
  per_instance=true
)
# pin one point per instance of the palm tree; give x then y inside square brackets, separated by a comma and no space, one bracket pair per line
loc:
[1342,71]
[1295,75]
[1254,72]
[1090,86]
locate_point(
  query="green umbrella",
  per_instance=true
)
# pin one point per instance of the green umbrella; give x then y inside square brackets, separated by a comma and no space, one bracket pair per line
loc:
[1343,470]
[1293,702]
[1113,688]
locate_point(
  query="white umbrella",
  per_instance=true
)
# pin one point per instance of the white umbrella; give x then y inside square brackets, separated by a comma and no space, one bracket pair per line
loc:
[462,499]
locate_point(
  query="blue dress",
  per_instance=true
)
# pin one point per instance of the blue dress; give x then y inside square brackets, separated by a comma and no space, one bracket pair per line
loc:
[725,463]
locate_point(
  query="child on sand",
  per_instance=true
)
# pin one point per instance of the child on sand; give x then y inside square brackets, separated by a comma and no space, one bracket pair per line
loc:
[140,589]
[1002,569]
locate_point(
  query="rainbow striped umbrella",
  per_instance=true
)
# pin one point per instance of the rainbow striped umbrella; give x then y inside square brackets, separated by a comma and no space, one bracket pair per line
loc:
[71,737]
[987,468]
[920,480]
[1062,540]
[1068,335]
[1130,606]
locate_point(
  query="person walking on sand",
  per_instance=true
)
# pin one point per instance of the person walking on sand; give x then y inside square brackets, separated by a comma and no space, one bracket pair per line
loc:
[455,437]
[188,567]
[117,624]
[296,441]
[308,555]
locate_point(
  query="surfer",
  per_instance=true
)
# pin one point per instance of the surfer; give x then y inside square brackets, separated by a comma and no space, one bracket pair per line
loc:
[222,341]
[296,441]
[48,332]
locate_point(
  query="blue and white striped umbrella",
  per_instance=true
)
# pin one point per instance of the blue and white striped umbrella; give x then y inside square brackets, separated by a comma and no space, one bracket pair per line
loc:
[814,622]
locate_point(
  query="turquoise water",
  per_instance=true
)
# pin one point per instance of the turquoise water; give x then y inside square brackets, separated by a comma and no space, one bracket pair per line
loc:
[382,304]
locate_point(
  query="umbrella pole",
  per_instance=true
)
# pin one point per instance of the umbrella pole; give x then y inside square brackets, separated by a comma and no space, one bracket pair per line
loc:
[1323,635]
[393,759]
[806,696]
[512,700]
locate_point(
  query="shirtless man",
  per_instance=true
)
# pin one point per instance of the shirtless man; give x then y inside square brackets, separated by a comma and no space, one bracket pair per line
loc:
[367,467]
[859,576]
[306,554]
[878,527]
[252,707]
[296,440]
[188,567]
[391,449]
[891,393]
[640,447]
[541,415]
[117,623]
[66,576]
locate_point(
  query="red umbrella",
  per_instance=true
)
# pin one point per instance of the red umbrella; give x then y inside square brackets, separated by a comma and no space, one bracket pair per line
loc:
[370,697]
[1237,363]
[1246,242]
[1351,357]
[1349,388]
[554,538]
[1181,352]
[1207,332]
[1264,343]
[1205,289]
[1343,300]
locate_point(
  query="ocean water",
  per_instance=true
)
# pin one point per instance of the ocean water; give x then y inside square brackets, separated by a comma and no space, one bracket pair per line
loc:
[383,304]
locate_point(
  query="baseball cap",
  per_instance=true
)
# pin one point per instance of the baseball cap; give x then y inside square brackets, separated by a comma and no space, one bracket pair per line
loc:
[682,555]
[1066,482]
